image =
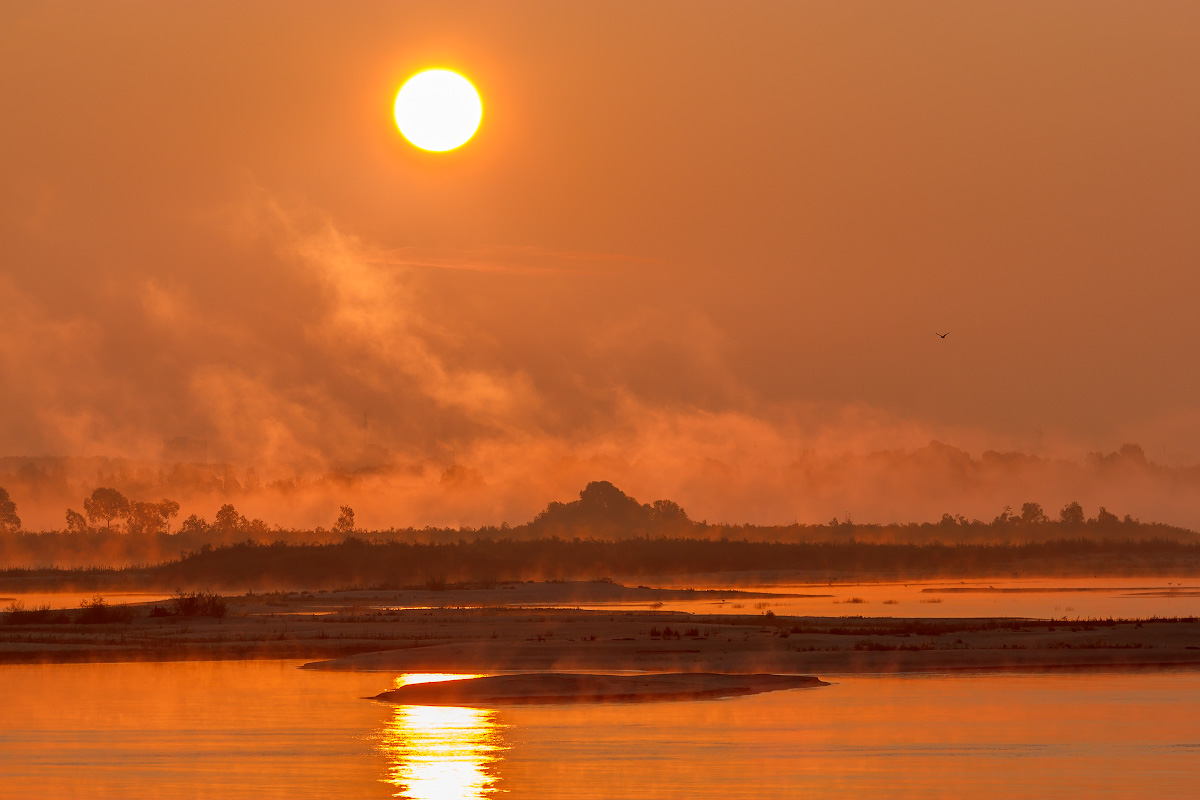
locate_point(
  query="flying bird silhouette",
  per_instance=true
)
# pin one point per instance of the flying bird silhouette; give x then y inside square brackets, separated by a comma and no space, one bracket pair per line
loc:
[943,335]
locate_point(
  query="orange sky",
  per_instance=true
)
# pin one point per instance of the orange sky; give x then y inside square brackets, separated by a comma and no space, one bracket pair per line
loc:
[694,226]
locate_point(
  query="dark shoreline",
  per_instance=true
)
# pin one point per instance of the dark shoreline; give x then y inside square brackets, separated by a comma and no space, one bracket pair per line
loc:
[253,566]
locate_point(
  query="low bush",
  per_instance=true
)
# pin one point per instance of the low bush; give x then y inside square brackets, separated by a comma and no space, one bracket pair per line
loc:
[39,615]
[199,604]
[98,612]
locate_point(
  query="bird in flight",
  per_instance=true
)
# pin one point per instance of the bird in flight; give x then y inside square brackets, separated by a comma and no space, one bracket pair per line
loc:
[943,335]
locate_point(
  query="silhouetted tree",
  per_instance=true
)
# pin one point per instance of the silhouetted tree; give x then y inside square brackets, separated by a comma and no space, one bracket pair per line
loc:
[106,504]
[228,519]
[1071,515]
[1032,514]
[75,522]
[168,510]
[9,521]
[345,522]
[603,500]
[1133,453]
[193,525]
[668,512]
[604,510]
[145,518]
[1104,517]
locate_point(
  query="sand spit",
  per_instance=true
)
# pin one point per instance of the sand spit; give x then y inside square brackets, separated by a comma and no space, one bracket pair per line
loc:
[563,687]
[412,632]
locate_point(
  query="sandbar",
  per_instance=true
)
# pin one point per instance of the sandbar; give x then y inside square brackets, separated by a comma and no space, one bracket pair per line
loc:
[524,628]
[566,687]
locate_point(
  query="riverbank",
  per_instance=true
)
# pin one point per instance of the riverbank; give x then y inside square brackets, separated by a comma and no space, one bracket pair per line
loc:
[259,566]
[533,627]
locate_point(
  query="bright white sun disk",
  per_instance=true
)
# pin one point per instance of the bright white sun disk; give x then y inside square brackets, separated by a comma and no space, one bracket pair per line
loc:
[438,110]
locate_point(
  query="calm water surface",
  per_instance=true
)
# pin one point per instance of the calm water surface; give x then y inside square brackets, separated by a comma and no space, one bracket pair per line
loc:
[266,729]
[1038,598]
[75,599]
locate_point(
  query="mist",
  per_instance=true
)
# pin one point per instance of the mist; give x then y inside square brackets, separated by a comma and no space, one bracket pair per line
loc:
[739,483]
[238,255]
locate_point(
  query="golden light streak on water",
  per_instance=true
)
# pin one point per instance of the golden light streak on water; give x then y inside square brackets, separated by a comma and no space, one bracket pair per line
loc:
[411,678]
[442,752]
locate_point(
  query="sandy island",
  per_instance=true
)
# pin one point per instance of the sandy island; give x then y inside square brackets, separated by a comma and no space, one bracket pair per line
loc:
[560,687]
[528,627]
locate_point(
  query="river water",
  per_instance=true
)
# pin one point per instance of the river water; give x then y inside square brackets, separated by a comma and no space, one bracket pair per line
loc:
[266,729]
[1037,598]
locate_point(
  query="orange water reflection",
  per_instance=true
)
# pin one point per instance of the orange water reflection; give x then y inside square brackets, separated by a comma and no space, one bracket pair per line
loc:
[442,752]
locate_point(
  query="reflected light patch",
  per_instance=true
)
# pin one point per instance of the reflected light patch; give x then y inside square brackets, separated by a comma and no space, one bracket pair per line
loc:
[413,678]
[442,752]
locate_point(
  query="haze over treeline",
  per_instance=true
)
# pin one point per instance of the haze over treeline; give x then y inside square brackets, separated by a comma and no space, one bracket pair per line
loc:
[772,485]
[112,531]
[238,247]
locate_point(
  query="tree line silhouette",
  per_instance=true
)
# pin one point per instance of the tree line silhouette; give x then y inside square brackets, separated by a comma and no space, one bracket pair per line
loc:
[115,531]
[356,563]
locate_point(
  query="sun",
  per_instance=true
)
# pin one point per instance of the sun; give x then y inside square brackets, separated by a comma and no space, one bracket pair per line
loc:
[438,110]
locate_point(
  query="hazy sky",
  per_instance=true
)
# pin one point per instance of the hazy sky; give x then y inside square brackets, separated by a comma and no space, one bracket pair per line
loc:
[697,226]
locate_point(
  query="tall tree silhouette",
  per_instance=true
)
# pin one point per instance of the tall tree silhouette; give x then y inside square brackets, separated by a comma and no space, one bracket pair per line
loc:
[168,510]
[345,522]
[228,519]
[75,522]
[1071,515]
[146,518]
[9,521]
[1032,514]
[106,504]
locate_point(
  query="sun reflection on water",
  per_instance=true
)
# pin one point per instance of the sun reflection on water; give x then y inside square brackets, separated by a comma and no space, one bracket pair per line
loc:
[442,752]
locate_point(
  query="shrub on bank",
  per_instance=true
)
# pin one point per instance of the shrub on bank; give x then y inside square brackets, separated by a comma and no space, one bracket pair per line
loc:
[199,604]
[39,615]
[98,612]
